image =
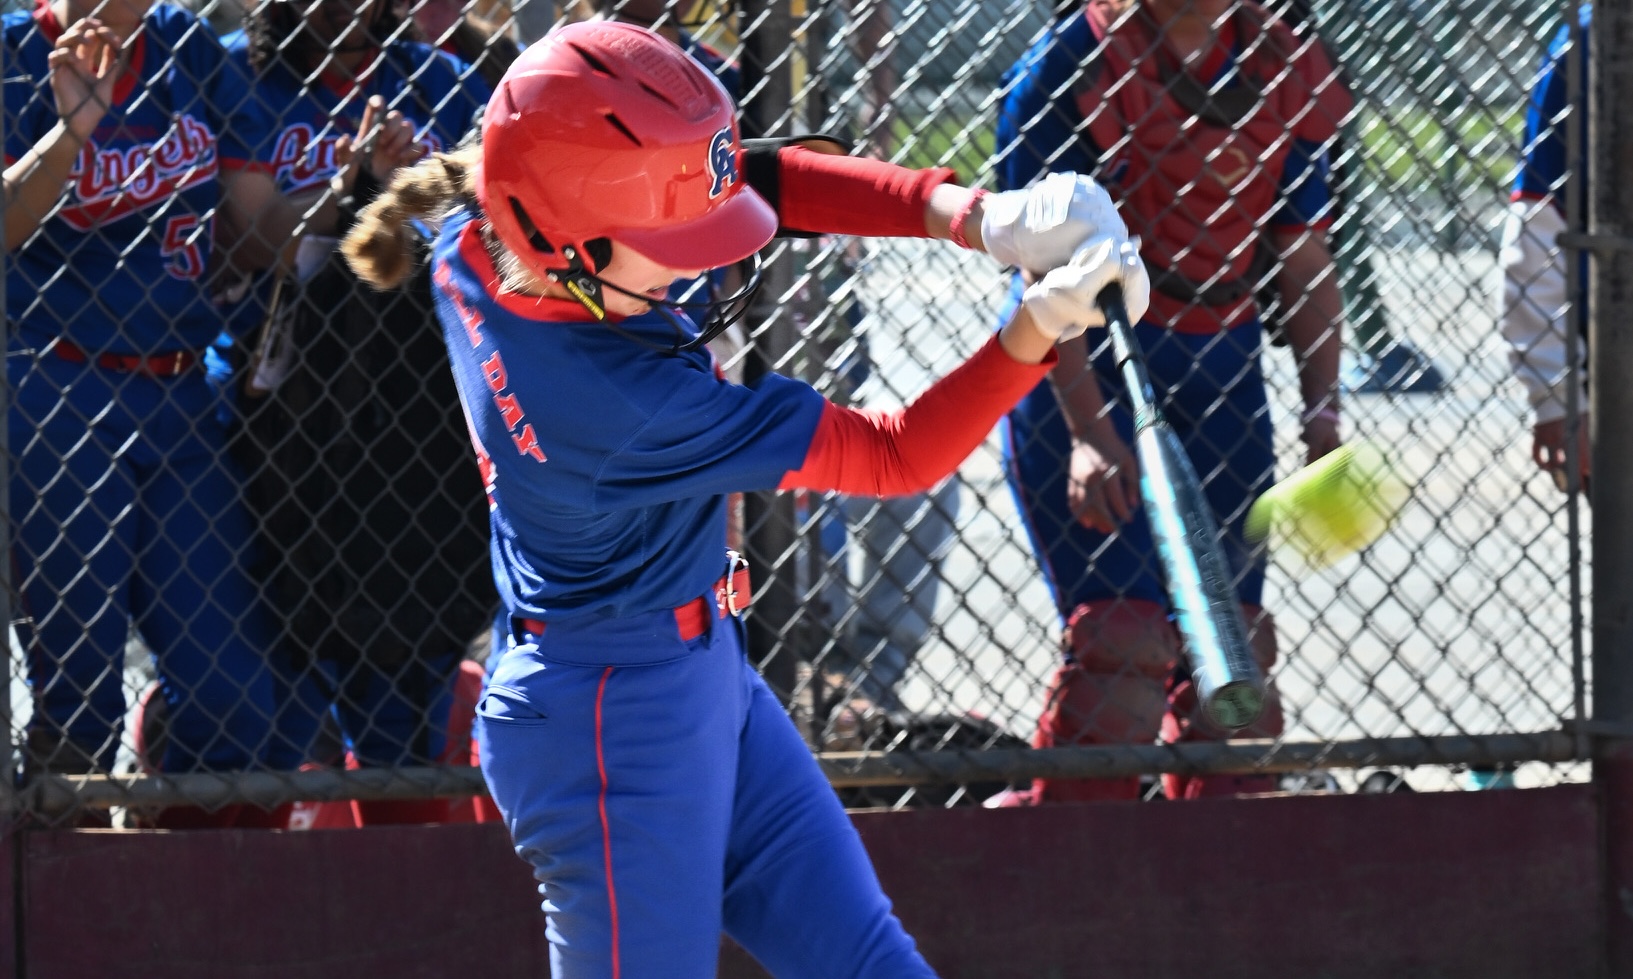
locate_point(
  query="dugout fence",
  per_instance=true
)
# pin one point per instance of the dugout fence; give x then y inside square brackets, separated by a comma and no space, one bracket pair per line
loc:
[913,641]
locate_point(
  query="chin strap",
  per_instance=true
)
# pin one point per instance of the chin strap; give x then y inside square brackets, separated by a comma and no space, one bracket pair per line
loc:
[718,313]
[582,284]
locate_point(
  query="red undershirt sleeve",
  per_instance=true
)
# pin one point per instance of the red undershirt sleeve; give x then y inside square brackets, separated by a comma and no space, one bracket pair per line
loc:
[875,453]
[824,193]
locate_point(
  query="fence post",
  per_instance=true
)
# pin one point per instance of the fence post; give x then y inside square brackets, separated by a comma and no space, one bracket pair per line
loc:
[8,744]
[1610,309]
[770,531]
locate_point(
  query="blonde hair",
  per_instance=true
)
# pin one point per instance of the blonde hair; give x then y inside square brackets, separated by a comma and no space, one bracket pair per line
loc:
[380,246]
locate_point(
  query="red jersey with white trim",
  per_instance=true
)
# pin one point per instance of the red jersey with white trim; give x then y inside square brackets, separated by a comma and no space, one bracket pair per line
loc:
[117,266]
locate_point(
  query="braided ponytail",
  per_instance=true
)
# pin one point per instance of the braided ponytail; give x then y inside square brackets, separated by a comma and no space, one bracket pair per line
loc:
[380,247]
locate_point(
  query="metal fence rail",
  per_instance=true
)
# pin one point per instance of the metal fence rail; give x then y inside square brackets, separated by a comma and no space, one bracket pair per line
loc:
[912,640]
[896,770]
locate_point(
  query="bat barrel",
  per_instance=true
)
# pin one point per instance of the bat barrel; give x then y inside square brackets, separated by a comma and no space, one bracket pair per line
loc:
[1200,584]
[1234,705]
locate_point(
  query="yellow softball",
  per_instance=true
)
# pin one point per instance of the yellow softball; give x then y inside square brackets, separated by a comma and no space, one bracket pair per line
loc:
[1333,507]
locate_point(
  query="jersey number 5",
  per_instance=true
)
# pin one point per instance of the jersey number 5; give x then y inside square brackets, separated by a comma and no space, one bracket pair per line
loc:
[181,247]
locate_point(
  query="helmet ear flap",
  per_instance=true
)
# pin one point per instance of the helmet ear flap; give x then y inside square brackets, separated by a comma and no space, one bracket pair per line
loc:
[597,250]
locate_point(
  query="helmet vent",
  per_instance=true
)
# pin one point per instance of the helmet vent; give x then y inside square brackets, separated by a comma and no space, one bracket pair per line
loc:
[595,63]
[666,100]
[539,242]
[618,124]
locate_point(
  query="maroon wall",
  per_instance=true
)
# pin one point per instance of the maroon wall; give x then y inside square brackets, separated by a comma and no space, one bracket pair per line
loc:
[443,901]
[10,925]
[1486,885]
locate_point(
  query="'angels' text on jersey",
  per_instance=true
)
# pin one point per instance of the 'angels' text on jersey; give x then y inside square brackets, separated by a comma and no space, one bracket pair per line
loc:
[107,184]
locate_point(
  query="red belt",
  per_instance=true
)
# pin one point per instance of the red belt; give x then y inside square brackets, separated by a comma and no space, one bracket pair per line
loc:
[159,365]
[729,596]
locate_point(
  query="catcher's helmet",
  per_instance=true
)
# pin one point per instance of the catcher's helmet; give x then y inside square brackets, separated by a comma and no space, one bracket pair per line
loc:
[607,130]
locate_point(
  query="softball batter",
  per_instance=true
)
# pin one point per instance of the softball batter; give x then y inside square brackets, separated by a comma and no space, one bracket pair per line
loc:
[643,768]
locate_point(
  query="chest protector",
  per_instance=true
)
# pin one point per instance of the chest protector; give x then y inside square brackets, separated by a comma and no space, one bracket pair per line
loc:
[1196,168]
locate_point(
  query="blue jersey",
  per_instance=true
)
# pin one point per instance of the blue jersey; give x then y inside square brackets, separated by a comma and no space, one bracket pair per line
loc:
[290,126]
[606,462]
[1543,169]
[117,267]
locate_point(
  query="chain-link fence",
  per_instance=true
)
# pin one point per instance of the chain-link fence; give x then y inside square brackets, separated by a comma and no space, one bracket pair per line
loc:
[251,561]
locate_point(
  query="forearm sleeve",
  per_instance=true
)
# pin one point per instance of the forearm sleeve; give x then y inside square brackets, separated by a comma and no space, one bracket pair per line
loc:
[823,193]
[1534,305]
[874,453]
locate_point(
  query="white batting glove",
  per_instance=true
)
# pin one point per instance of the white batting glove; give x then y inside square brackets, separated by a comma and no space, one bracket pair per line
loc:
[1063,303]
[1039,228]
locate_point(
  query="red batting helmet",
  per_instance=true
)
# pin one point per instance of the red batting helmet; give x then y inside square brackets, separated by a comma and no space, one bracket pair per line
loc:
[606,130]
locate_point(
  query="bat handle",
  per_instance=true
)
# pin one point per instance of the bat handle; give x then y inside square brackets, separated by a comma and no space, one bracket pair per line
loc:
[1110,302]
[1126,350]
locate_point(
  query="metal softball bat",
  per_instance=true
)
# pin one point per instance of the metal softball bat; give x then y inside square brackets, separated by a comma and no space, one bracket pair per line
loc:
[1229,684]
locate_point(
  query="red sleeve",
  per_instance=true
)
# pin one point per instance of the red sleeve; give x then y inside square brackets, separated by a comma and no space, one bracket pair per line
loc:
[828,194]
[874,453]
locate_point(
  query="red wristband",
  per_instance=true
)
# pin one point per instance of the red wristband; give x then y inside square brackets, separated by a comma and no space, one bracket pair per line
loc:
[955,230]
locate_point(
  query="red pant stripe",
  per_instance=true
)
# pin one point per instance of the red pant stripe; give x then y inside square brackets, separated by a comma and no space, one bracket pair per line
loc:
[606,832]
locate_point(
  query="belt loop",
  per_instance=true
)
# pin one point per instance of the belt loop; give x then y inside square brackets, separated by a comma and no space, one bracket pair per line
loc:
[735,562]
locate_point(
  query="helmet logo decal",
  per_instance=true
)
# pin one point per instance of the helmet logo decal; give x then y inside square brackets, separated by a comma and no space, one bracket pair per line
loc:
[722,162]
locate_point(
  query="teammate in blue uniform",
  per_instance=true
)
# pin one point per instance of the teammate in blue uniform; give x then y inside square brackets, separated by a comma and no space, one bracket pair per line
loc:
[643,768]
[1208,122]
[1535,296]
[125,512]
[373,534]
[322,70]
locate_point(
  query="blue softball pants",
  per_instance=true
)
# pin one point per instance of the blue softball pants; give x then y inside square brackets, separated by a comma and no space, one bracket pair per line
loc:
[1211,389]
[127,512]
[662,797]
